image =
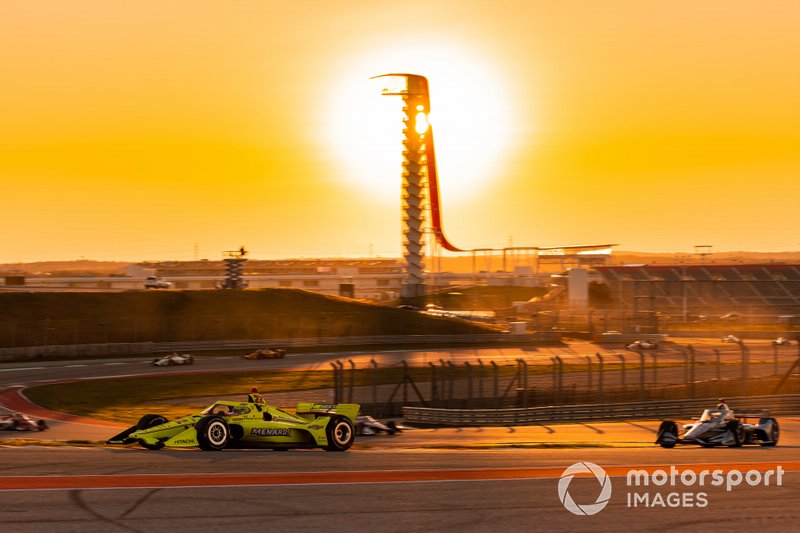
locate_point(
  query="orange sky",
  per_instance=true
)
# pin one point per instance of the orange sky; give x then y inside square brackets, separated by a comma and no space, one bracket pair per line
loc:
[133,130]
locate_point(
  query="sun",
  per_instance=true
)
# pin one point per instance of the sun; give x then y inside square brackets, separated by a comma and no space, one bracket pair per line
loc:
[469,115]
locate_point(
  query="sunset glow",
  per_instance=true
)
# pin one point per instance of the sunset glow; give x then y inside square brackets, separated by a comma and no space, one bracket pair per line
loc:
[469,111]
[146,131]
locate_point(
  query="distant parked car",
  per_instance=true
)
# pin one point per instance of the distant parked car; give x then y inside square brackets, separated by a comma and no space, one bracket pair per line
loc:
[731,338]
[154,282]
[781,341]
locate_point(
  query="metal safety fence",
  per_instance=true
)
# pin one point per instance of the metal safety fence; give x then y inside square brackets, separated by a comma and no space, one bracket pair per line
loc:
[683,372]
[776,405]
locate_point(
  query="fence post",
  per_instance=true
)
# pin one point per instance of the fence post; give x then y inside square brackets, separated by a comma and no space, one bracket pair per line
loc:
[745,367]
[691,373]
[405,381]
[560,380]
[444,383]
[341,379]
[600,376]
[641,374]
[525,385]
[622,370]
[374,365]
[434,394]
[523,367]
[496,372]
[555,378]
[451,370]
[719,364]
[335,383]
[352,381]
[686,353]
[480,383]
[589,373]
[468,367]
[774,359]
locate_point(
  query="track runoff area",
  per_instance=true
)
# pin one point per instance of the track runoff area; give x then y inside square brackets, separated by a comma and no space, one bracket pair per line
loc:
[585,477]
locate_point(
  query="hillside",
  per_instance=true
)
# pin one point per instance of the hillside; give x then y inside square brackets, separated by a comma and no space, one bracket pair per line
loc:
[41,318]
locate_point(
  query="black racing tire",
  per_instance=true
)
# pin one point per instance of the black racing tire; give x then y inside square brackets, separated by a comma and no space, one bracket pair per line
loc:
[668,426]
[190,360]
[41,425]
[148,421]
[774,435]
[392,427]
[213,433]
[737,429]
[340,433]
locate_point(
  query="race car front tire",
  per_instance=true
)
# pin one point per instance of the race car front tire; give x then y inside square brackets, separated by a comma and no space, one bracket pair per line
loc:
[148,421]
[340,433]
[213,433]
[737,429]
[774,433]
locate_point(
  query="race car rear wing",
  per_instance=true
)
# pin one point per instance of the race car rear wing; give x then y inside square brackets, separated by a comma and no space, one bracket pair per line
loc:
[760,413]
[349,410]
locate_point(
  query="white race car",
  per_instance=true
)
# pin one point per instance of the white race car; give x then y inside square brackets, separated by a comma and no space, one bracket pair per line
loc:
[642,345]
[366,425]
[721,427]
[20,422]
[781,341]
[731,338]
[174,359]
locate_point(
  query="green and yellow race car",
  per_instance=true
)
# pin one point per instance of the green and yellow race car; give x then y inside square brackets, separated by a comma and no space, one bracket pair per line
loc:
[251,424]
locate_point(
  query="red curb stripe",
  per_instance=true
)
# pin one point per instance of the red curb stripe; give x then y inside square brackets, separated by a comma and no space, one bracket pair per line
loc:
[14,400]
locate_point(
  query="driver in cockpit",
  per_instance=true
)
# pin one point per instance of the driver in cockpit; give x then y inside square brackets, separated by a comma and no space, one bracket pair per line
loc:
[725,412]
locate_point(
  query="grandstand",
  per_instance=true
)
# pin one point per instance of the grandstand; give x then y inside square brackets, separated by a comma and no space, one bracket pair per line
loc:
[752,289]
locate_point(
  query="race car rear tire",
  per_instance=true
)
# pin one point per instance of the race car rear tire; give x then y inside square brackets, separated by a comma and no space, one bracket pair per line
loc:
[148,421]
[774,434]
[213,433]
[737,429]
[340,433]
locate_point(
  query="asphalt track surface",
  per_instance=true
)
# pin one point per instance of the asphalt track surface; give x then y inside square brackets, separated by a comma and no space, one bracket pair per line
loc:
[476,479]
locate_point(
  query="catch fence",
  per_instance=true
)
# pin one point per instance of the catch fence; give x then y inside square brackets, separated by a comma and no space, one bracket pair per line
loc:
[683,372]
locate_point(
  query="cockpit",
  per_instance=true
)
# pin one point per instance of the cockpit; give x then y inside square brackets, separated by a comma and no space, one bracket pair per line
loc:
[222,409]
